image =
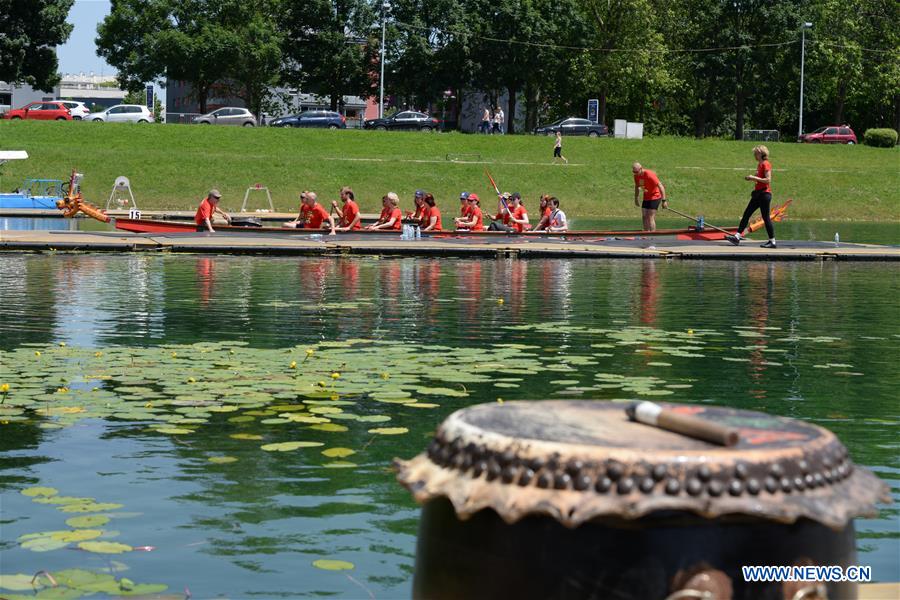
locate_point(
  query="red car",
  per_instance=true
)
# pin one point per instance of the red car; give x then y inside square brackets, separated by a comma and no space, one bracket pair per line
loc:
[832,134]
[45,111]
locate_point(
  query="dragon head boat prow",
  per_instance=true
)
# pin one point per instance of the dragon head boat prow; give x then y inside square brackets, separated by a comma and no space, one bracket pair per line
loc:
[73,202]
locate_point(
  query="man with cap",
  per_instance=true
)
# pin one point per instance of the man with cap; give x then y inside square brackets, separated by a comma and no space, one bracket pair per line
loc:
[512,218]
[209,207]
[418,217]
[463,205]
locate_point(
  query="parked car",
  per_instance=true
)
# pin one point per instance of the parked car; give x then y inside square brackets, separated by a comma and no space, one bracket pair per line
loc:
[830,134]
[123,113]
[78,110]
[312,118]
[573,126]
[44,111]
[227,116]
[408,119]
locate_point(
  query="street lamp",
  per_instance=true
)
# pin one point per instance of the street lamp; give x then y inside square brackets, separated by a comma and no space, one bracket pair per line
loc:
[803,29]
[384,7]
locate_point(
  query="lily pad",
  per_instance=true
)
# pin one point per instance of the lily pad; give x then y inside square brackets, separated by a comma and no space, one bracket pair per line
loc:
[105,547]
[39,491]
[222,460]
[87,521]
[389,430]
[338,452]
[333,565]
[288,446]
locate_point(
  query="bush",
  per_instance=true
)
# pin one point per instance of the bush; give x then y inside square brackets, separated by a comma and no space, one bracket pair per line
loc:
[880,138]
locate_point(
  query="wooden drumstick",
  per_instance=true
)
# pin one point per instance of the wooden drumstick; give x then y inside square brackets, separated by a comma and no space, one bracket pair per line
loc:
[655,415]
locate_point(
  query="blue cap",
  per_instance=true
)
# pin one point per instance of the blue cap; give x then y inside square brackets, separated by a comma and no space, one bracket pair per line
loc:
[420,193]
[464,196]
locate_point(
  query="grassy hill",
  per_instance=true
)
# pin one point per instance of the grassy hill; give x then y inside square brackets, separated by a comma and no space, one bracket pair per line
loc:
[172,166]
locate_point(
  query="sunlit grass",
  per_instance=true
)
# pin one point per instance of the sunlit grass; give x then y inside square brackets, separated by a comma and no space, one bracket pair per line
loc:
[172,166]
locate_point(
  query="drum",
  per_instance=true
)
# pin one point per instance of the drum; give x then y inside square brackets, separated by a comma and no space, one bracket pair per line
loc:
[572,499]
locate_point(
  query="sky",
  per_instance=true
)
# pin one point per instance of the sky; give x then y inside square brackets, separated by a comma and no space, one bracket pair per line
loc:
[79,54]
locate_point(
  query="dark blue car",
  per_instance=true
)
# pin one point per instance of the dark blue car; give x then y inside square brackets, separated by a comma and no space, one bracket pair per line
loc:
[312,118]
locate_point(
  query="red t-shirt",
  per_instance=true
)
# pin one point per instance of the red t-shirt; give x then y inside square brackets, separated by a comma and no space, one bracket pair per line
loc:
[317,215]
[385,214]
[479,218]
[351,209]
[205,211]
[651,184]
[465,211]
[520,213]
[433,211]
[761,169]
[397,215]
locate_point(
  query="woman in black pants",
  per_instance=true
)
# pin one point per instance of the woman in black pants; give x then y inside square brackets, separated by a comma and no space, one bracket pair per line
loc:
[761,198]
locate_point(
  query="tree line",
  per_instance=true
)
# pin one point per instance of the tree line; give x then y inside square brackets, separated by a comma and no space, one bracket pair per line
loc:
[683,67]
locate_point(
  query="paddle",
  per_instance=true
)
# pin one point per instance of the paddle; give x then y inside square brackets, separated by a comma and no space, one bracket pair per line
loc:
[499,195]
[695,220]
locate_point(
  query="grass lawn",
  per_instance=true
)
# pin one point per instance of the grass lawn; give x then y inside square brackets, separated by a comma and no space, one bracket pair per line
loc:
[172,166]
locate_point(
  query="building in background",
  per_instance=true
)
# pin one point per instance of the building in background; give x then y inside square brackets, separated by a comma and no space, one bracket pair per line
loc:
[100,90]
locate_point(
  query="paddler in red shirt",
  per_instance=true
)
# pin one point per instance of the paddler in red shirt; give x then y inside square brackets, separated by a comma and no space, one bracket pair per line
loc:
[514,220]
[302,216]
[317,214]
[350,219]
[475,219]
[391,215]
[418,217]
[760,198]
[464,205]
[654,193]
[546,210]
[432,214]
[209,207]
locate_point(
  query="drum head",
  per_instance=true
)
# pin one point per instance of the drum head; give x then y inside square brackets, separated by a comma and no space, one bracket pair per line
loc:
[579,460]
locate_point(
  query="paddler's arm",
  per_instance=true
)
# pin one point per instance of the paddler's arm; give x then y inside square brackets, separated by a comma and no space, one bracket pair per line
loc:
[331,225]
[352,224]
[431,223]
[637,193]
[386,225]
[209,226]
[223,213]
[662,190]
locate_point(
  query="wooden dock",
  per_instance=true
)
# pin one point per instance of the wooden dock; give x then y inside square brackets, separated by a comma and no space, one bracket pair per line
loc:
[359,244]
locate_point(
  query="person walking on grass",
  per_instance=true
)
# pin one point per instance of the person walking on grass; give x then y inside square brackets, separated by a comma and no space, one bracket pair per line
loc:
[760,198]
[485,121]
[557,149]
[654,194]
[498,121]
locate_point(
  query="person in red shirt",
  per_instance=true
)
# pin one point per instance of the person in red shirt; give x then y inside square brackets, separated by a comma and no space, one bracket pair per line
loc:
[317,215]
[546,210]
[350,218]
[391,215]
[432,215]
[302,216]
[209,207]
[519,217]
[464,204]
[418,217]
[654,194]
[475,220]
[513,220]
[760,198]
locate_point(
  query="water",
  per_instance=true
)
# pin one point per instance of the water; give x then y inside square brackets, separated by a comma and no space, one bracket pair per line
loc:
[815,341]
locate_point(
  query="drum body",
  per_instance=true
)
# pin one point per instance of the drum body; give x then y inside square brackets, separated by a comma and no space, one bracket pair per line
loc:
[572,499]
[645,559]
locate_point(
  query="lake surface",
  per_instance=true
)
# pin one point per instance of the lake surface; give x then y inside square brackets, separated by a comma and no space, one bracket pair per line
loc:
[153,391]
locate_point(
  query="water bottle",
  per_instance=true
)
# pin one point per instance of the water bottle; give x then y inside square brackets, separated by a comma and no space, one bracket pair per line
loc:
[418,233]
[837,238]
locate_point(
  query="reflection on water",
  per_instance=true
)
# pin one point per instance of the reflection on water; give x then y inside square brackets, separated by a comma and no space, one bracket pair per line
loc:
[808,340]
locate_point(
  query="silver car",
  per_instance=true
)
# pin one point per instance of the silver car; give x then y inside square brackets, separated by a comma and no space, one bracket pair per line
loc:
[123,113]
[227,116]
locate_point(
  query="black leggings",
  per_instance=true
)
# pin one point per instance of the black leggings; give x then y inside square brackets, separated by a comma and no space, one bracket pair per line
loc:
[761,200]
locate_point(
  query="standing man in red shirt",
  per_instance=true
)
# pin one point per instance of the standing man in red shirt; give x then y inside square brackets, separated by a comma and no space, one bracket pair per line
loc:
[760,198]
[209,207]
[350,220]
[654,193]
[317,214]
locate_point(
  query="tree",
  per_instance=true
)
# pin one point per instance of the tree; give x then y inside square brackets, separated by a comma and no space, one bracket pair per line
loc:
[30,30]
[328,47]
[199,41]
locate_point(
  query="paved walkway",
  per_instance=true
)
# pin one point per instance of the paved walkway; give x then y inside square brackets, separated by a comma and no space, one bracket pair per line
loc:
[233,243]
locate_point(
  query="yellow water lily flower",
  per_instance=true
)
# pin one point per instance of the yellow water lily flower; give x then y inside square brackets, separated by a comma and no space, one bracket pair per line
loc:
[335,375]
[4,388]
[293,364]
